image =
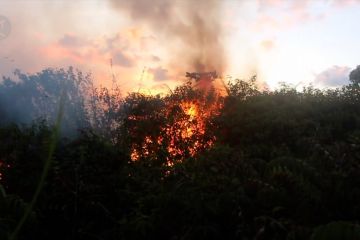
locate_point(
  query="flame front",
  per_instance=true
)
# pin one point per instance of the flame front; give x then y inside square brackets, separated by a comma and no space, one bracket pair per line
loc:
[190,109]
[183,137]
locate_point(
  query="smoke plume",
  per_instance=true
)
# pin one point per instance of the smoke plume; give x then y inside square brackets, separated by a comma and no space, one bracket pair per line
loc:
[191,30]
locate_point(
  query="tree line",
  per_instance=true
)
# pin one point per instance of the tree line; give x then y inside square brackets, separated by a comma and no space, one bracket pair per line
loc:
[283,164]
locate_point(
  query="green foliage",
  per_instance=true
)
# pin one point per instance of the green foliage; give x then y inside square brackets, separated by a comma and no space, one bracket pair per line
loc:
[12,208]
[283,165]
[243,89]
[337,230]
[355,76]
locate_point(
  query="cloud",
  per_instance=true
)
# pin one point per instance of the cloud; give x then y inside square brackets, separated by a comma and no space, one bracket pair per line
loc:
[76,49]
[285,14]
[121,59]
[159,73]
[267,44]
[345,3]
[71,40]
[280,15]
[155,58]
[334,76]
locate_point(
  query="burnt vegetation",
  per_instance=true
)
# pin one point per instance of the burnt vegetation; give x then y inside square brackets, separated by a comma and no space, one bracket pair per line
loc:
[254,164]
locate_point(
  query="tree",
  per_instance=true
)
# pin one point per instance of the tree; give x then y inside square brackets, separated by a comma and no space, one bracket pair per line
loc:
[355,76]
[37,96]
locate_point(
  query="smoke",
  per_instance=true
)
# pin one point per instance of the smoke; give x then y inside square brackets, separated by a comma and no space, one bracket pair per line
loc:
[36,97]
[190,30]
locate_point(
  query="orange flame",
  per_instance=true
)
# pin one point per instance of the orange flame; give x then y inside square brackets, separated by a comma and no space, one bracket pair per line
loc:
[189,130]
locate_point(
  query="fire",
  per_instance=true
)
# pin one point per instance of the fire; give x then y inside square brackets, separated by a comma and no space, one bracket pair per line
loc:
[190,109]
[182,134]
[183,129]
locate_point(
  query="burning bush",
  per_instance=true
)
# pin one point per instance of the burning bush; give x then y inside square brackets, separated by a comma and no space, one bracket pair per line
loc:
[172,128]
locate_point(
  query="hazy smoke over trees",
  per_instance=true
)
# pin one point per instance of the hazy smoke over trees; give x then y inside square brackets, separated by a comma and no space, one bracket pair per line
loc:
[37,96]
[190,29]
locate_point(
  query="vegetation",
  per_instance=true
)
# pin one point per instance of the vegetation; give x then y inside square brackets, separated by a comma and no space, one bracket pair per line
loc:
[277,164]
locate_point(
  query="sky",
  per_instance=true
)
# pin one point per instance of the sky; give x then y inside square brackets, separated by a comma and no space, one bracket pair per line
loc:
[150,45]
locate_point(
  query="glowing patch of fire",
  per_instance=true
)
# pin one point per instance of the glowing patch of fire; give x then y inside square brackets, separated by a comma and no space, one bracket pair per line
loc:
[189,130]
